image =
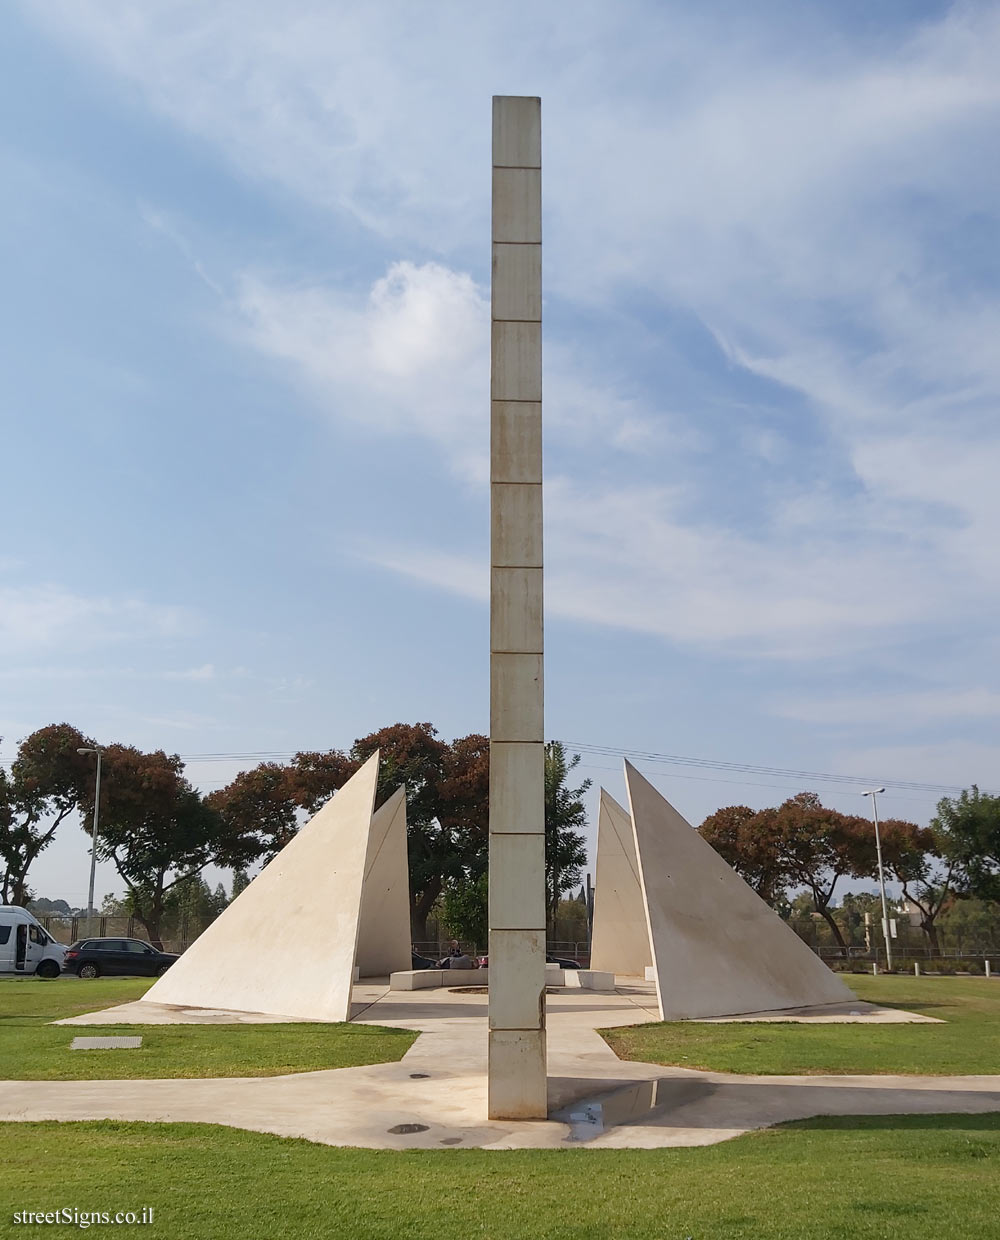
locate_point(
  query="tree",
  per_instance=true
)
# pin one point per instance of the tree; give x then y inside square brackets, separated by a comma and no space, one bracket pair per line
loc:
[191,906]
[44,787]
[446,815]
[819,846]
[565,843]
[968,830]
[156,828]
[314,777]
[972,925]
[466,910]
[855,907]
[447,789]
[240,883]
[749,841]
[260,812]
[918,857]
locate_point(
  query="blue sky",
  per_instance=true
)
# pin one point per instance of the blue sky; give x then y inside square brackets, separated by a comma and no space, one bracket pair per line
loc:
[245,387]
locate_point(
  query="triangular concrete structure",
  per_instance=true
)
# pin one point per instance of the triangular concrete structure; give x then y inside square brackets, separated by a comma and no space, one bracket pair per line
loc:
[288,943]
[384,923]
[620,938]
[718,949]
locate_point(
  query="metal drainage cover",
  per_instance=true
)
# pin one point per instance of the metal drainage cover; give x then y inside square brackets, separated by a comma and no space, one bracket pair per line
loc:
[402,1129]
[105,1044]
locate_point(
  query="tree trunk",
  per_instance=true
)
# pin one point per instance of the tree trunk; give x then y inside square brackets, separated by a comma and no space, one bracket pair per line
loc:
[420,909]
[832,923]
[151,916]
[929,928]
[19,889]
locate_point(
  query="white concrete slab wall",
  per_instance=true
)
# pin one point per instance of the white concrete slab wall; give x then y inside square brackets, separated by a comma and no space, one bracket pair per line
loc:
[718,949]
[620,939]
[384,925]
[287,944]
[517,1074]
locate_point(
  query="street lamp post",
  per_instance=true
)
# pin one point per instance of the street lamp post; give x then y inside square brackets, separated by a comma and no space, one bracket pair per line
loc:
[93,841]
[873,793]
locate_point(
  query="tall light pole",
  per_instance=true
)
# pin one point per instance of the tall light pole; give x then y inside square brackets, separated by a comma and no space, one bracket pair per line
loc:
[873,793]
[93,840]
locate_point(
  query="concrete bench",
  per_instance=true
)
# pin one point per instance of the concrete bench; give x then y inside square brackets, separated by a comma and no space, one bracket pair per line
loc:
[429,979]
[587,979]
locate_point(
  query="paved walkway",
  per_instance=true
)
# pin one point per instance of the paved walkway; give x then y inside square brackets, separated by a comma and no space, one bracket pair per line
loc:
[439,1087]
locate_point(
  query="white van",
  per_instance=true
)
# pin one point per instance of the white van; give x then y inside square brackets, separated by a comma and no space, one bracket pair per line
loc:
[26,947]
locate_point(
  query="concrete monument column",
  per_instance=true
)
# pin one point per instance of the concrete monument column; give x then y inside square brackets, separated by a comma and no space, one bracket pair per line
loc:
[517,1078]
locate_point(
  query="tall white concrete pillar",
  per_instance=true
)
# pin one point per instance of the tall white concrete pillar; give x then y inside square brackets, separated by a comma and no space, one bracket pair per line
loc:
[517,1078]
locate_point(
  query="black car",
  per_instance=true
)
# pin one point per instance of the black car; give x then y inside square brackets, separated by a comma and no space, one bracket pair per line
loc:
[563,964]
[118,957]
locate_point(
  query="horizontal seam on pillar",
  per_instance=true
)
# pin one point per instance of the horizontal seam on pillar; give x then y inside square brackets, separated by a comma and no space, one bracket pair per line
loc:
[494,241]
[515,400]
[521,167]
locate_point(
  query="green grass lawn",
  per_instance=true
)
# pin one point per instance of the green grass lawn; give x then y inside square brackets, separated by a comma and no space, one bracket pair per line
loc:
[968,1043]
[31,1049]
[918,1177]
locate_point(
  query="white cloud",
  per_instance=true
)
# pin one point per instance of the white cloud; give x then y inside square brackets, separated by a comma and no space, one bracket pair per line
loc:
[800,197]
[898,710]
[628,558]
[205,672]
[48,616]
[411,358]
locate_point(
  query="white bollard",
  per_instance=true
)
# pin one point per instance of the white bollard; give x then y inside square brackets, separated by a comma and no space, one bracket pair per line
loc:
[875,969]
[987,968]
[916,968]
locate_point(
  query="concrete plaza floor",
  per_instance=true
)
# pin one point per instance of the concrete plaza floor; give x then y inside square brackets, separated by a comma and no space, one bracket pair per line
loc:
[435,1097]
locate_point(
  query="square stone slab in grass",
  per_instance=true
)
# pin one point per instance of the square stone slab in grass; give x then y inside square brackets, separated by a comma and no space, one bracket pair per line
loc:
[105,1044]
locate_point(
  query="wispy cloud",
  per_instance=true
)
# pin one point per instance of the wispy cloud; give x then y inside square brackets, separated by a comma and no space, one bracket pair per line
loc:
[824,206]
[36,617]
[206,671]
[411,357]
[898,710]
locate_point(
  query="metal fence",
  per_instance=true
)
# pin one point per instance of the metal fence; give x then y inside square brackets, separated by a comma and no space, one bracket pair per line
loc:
[67,930]
[436,949]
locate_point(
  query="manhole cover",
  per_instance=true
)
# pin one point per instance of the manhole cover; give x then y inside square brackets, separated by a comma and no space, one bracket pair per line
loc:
[402,1129]
[419,1076]
[105,1044]
[450,1141]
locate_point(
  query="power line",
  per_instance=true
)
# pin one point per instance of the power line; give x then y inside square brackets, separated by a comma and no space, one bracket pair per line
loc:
[665,759]
[748,768]
[750,783]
